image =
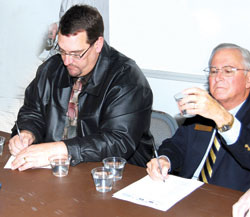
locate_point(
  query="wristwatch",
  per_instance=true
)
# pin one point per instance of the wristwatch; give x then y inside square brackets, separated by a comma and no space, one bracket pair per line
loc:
[227,126]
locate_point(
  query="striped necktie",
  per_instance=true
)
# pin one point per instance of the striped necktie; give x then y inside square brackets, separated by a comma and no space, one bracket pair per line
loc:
[207,170]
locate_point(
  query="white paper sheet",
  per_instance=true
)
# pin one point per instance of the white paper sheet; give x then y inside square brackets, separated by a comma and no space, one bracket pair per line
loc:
[158,194]
[8,164]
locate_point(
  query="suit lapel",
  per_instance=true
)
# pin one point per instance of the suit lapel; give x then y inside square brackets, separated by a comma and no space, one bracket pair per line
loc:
[242,113]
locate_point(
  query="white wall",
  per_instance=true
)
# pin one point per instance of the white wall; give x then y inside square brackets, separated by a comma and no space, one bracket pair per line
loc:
[23,25]
[177,35]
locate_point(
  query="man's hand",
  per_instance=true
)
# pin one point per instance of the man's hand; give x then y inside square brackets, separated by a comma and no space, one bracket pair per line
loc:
[242,207]
[200,102]
[153,169]
[17,144]
[38,155]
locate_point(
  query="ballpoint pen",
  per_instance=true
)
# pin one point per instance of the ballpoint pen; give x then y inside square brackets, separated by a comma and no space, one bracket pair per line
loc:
[18,132]
[157,157]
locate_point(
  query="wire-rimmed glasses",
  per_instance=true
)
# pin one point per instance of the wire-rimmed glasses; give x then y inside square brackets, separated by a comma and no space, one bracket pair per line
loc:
[227,71]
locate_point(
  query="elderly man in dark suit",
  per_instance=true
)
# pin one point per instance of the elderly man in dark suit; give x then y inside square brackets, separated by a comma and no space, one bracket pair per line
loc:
[214,145]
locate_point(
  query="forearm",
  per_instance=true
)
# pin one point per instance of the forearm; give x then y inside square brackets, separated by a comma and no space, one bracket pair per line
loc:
[222,117]
[98,146]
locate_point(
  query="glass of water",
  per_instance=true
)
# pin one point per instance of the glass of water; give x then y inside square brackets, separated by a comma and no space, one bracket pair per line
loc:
[116,164]
[2,140]
[60,165]
[179,96]
[103,179]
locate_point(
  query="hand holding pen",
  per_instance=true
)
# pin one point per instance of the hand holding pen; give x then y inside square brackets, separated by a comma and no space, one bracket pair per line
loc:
[157,159]
[158,167]
[154,171]
[20,141]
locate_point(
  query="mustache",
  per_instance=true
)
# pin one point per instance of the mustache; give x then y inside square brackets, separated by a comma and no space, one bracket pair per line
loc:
[71,65]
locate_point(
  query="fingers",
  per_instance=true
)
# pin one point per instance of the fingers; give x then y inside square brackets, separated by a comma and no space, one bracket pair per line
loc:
[242,207]
[198,101]
[18,163]
[154,171]
[26,166]
[17,144]
[38,155]
[194,95]
[194,91]
[240,210]
[25,159]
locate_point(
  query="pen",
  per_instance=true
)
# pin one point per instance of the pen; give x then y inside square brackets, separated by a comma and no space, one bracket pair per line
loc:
[18,132]
[157,157]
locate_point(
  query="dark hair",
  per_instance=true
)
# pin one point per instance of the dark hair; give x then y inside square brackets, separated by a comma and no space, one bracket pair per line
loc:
[82,18]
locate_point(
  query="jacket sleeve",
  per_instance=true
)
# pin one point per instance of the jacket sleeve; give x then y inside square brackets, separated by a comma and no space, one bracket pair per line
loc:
[188,146]
[30,116]
[122,128]
[174,148]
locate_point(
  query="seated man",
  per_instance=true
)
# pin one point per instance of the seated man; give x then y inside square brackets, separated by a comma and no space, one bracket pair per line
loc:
[88,101]
[224,110]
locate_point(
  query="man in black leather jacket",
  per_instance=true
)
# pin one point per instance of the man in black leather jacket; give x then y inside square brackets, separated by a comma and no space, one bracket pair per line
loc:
[114,105]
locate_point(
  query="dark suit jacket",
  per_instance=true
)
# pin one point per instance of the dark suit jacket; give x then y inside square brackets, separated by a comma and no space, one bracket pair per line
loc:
[189,144]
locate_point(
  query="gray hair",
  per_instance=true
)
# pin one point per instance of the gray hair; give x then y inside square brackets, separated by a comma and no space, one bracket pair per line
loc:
[244,52]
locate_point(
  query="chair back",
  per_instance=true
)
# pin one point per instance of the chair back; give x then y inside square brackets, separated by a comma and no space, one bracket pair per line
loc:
[162,126]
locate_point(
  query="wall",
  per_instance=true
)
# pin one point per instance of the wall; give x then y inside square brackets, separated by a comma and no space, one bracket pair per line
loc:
[170,40]
[23,27]
[177,36]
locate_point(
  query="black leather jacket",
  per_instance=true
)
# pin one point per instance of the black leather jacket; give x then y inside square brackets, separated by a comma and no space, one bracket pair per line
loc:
[114,109]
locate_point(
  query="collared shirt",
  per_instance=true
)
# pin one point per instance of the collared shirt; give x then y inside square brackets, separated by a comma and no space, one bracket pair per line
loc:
[72,114]
[232,135]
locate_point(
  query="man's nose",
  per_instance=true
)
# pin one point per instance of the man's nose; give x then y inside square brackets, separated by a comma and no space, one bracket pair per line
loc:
[67,60]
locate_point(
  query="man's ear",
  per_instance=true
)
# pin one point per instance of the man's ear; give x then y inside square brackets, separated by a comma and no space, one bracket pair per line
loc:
[248,80]
[99,44]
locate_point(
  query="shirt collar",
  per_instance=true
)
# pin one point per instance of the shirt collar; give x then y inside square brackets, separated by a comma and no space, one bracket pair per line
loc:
[236,109]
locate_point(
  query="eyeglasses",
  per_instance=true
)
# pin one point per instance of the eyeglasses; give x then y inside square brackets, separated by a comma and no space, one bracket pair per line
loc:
[227,71]
[75,55]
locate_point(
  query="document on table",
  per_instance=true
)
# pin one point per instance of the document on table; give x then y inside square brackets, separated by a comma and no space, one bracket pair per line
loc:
[8,164]
[157,194]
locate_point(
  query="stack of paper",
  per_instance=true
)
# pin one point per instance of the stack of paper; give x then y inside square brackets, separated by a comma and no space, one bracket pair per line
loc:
[156,194]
